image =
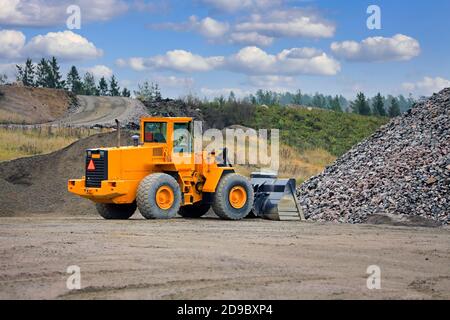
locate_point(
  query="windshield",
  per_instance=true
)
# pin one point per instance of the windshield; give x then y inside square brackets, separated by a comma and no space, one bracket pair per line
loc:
[155,132]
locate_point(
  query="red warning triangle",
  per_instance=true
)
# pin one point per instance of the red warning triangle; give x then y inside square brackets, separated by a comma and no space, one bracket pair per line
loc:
[91,166]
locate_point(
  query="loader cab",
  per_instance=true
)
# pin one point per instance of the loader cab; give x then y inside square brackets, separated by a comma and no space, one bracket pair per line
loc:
[175,134]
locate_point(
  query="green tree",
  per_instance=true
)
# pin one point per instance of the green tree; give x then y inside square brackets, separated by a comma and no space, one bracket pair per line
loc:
[43,74]
[114,89]
[360,105]
[297,98]
[74,81]
[126,93]
[148,92]
[26,73]
[336,104]
[231,97]
[56,77]
[394,109]
[103,87]
[378,106]
[3,78]
[89,86]
[318,101]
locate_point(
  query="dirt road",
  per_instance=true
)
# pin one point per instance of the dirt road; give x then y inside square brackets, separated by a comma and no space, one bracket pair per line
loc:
[103,110]
[210,258]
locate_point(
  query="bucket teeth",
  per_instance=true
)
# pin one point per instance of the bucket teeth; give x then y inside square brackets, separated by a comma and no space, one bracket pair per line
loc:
[275,198]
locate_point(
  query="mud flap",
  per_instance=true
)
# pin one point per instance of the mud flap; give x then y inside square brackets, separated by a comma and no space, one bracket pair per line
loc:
[275,199]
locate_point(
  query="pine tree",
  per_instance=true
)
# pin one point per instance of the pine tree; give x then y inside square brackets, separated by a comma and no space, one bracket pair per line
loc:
[103,87]
[148,92]
[378,106]
[394,109]
[336,105]
[26,73]
[157,92]
[360,105]
[74,82]
[43,74]
[114,89]
[56,75]
[231,97]
[89,86]
[3,78]
[126,93]
[297,98]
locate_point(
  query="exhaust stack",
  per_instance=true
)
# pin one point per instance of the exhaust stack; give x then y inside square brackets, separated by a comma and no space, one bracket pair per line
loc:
[118,133]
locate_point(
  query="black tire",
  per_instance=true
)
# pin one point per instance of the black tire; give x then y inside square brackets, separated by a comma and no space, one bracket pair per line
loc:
[111,211]
[146,196]
[221,204]
[196,210]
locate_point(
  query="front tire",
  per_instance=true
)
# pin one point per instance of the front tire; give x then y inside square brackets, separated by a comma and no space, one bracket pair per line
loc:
[158,196]
[112,211]
[234,197]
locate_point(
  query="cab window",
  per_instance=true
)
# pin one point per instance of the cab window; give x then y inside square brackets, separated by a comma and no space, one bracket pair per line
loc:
[155,132]
[182,138]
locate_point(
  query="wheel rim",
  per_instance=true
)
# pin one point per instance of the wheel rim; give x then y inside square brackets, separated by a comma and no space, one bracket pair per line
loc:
[165,197]
[238,197]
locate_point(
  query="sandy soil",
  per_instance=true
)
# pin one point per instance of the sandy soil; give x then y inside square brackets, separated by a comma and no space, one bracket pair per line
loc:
[210,258]
[32,105]
[104,111]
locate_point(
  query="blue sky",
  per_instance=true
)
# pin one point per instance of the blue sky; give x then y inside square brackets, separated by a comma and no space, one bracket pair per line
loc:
[209,47]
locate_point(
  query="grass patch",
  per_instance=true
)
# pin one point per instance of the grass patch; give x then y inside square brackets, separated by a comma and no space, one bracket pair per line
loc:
[23,142]
[317,129]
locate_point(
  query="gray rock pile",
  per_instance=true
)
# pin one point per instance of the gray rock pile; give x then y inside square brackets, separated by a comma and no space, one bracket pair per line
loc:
[403,170]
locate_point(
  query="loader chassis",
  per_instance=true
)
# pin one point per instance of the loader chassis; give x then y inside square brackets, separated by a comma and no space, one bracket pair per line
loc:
[118,171]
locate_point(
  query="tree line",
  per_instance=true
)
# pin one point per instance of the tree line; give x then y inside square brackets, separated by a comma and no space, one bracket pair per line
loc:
[46,74]
[378,105]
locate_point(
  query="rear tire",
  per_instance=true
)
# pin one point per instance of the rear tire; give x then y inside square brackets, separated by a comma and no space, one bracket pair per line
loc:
[196,210]
[112,211]
[158,196]
[228,207]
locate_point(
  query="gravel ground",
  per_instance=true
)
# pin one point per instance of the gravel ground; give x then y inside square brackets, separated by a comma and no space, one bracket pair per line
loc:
[402,170]
[213,259]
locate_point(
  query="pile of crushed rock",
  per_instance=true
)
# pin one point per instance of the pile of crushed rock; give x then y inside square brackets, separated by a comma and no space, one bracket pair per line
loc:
[402,171]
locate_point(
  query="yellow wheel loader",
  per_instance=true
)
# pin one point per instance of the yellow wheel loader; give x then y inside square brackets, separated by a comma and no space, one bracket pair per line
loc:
[162,177]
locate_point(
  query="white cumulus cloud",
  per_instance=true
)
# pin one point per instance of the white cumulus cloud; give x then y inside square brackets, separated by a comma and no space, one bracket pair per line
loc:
[11,44]
[250,38]
[396,48]
[295,61]
[271,81]
[294,23]
[207,27]
[64,45]
[8,69]
[239,5]
[249,60]
[99,71]
[176,60]
[259,29]
[51,13]
[427,86]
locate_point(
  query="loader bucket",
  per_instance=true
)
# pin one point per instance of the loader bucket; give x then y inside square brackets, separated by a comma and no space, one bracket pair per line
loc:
[275,198]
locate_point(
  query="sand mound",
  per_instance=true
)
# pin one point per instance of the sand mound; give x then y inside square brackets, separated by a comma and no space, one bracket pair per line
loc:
[39,184]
